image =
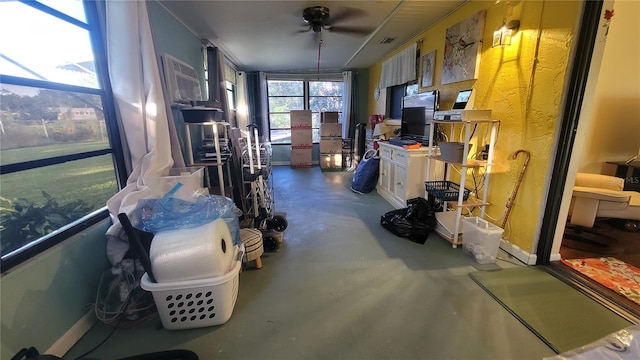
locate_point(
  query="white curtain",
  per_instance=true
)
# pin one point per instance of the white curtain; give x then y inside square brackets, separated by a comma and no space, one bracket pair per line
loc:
[242,115]
[399,69]
[347,90]
[139,100]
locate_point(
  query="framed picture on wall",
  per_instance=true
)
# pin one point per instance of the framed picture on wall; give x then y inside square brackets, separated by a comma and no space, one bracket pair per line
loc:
[428,68]
[462,47]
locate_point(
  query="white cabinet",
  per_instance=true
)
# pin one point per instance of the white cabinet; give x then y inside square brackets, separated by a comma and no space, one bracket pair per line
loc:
[403,173]
[449,224]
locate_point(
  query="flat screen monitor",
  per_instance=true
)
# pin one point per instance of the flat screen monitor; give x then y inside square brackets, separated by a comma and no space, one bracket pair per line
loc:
[462,99]
[417,113]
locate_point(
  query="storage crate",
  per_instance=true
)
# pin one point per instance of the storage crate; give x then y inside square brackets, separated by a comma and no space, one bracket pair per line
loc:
[300,158]
[452,151]
[330,146]
[195,303]
[199,114]
[331,162]
[481,239]
[301,119]
[191,178]
[331,130]
[445,190]
[329,117]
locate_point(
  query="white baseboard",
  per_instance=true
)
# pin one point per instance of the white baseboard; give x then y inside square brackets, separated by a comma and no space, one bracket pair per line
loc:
[518,253]
[71,337]
[555,257]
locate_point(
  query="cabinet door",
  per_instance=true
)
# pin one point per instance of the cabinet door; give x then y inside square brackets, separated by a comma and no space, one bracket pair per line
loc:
[385,153]
[400,182]
[401,157]
[384,180]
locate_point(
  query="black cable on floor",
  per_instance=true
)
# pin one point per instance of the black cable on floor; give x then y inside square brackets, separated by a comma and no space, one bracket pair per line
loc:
[124,311]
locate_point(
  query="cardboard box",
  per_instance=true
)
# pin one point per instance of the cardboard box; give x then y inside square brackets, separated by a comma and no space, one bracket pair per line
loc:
[300,119]
[329,117]
[331,130]
[330,161]
[331,146]
[301,138]
[300,158]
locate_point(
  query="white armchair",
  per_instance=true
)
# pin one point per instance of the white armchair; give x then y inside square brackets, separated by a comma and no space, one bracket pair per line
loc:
[602,196]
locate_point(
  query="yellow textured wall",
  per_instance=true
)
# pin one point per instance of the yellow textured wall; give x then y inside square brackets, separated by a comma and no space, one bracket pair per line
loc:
[523,85]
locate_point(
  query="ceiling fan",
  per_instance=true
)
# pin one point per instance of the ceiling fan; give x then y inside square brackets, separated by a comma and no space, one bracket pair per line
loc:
[317,18]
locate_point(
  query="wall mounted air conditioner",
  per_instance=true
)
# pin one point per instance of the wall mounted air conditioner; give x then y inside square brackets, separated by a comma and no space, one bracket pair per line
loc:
[182,80]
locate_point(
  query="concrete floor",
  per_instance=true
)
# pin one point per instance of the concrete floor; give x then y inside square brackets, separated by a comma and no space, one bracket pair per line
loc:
[343,287]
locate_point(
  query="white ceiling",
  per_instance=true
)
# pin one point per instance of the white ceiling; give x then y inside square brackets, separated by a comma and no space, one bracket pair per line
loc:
[265,35]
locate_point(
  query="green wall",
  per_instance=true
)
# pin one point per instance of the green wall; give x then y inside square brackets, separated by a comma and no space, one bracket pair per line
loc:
[173,38]
[42,298]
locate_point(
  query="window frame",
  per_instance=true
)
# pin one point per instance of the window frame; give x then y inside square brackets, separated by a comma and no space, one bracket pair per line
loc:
[115,148]
[306,99]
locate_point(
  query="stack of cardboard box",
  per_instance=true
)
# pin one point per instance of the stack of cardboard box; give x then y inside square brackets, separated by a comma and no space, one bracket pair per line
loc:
[330,141]
[301,138]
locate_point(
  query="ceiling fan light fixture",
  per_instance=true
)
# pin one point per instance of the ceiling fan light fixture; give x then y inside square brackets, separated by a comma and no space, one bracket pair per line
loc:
[316,16]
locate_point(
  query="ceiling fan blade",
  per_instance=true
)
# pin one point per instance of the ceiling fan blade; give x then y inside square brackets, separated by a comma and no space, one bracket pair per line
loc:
[346,14]
[350,30]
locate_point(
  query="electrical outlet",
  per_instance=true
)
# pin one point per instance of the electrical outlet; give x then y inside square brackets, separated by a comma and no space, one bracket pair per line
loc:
[484,153]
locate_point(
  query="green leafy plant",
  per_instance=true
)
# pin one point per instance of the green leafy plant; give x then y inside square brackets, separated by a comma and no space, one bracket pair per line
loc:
[23,221]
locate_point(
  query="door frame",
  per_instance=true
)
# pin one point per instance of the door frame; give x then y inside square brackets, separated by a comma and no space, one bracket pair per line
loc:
[575,121]
[565,160]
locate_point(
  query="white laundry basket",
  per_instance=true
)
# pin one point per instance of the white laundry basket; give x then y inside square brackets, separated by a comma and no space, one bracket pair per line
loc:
[480,239]
[196,303]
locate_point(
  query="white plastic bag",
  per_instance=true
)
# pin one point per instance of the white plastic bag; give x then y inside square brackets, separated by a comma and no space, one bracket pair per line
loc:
[621,345]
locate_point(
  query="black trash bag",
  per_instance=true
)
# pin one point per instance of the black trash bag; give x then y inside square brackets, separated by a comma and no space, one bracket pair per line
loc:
[415,222]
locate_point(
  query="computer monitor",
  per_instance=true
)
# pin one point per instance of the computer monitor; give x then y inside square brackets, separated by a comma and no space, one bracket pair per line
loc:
[417,113]
[462,99]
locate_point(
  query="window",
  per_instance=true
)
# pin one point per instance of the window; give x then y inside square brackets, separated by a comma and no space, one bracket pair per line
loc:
[286,95]
[396,97]
[59,156]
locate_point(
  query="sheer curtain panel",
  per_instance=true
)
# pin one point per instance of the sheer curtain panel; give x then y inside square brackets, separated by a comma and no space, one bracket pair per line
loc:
[139,100]
[400,69]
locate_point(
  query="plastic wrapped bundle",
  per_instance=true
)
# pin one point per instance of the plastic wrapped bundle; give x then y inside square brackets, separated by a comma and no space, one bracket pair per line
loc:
[170,213]
[190,254]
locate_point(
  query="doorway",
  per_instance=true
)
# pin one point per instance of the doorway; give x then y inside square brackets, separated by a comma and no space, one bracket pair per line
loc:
[581,151]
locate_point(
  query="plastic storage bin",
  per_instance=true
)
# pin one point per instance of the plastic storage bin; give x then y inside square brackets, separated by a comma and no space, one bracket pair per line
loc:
[191,178]
[452,151]
[480,239]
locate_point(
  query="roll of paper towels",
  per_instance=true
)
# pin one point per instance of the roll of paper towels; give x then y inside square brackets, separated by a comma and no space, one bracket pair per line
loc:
[189,254]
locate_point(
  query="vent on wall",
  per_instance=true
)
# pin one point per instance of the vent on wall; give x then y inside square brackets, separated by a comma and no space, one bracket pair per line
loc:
[387,40]
[182,80]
